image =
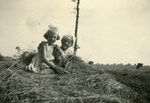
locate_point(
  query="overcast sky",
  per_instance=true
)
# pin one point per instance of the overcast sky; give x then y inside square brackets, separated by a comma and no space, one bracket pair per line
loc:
[110,31]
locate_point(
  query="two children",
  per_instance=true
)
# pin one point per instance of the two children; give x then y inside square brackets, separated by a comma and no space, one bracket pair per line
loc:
[50,55]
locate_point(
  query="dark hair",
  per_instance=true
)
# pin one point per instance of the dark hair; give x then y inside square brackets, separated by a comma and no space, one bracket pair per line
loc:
[50,32]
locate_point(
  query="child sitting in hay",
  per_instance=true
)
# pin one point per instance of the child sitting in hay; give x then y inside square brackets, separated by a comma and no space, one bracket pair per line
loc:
[44,57]
[62,54]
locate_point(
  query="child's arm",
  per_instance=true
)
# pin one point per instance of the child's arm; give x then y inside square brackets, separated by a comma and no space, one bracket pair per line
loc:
[55,68]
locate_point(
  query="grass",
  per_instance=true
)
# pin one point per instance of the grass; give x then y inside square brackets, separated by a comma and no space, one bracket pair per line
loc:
[85,84]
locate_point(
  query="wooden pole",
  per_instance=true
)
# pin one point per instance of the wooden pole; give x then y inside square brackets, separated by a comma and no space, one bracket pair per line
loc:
[76,28]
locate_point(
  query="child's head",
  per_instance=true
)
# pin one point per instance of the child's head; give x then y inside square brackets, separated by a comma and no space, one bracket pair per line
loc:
[67,41]
[52,35]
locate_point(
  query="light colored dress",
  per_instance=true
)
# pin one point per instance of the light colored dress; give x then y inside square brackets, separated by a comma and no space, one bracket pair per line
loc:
[37,63]
[66,53]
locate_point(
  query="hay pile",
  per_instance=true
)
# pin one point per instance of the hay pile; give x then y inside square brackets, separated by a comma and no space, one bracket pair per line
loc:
[2,58]
[84,84]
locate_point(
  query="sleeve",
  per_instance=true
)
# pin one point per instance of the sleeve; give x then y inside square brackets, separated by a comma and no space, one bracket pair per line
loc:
[40,46]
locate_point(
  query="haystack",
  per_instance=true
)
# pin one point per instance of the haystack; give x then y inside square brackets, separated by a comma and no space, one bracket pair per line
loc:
[84,84]
[2,58]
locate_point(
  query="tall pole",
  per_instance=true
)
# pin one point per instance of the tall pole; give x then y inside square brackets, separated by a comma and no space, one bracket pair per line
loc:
[76,28]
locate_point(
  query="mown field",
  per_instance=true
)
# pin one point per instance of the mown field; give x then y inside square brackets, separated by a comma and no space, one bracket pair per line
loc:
[137,79]
[86,83]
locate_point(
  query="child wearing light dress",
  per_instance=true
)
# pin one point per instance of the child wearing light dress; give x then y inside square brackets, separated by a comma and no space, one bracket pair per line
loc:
[45,57]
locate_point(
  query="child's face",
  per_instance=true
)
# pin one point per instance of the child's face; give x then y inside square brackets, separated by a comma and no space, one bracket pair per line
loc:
[52,38]
[66,44]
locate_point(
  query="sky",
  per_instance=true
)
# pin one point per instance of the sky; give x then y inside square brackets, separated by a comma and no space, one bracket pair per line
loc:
[110,31]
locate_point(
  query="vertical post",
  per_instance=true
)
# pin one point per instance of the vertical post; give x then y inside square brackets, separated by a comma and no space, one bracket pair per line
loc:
[76,27]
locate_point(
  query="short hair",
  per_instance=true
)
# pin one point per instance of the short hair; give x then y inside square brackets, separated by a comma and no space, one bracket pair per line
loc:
[51,32]
[69,37]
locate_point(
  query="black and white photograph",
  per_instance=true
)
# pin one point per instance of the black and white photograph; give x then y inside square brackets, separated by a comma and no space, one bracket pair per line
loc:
[74,51]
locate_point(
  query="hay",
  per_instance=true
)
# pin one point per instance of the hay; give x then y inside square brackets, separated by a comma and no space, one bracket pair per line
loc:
[84,84]
[2,58]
